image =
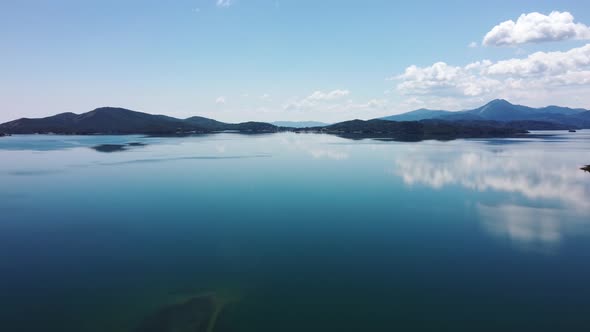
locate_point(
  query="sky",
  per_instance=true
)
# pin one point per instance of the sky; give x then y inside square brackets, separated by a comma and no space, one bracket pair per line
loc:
[279,60]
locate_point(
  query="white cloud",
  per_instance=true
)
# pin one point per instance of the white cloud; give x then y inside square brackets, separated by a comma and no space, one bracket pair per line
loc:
[318,98]
[265,97]
[472,44]
[223,3]
[444,79]
[336,105]
[220,100]
[544,63]
[335,94]
[535,28]
[539,77]
[371,104]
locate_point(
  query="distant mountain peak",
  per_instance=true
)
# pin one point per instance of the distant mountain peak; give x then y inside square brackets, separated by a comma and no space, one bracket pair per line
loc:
[110,109]
[66,115]
[503,111]
[499,102]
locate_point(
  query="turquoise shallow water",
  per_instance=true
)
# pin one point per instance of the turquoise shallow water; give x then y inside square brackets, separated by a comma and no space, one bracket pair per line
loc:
[303,232]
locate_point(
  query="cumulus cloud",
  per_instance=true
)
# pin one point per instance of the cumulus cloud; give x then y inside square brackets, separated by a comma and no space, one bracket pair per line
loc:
[472,44]
[441,78]
[220,100]
[541,74]
[544,63]
[223,3]
[535,28]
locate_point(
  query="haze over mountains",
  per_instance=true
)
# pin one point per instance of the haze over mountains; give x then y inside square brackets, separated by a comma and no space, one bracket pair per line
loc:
[498,114]
[299,124]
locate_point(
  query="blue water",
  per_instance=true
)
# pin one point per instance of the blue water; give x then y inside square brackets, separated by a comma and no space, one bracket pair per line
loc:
[305,232]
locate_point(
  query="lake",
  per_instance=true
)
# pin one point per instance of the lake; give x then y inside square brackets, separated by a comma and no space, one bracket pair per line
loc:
[296,232]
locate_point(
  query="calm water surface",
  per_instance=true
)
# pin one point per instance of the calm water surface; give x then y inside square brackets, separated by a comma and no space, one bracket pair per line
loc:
[302,232]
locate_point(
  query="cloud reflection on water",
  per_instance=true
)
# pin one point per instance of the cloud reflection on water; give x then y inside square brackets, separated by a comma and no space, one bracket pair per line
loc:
[536,176]
[527,227]
[316,146]
[543,193]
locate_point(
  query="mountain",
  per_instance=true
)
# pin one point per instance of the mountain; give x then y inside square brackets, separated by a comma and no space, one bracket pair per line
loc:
[299,124]
[420,130]
[498,118]
[417,115]
[501,110]
[100,120]
[113,120]
[206,123]
[214,125]
[252,127]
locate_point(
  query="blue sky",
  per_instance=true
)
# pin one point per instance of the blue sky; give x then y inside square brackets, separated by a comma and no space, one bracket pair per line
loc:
[237,60]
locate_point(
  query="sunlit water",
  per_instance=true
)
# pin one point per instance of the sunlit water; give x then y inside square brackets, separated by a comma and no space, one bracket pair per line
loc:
[306,232]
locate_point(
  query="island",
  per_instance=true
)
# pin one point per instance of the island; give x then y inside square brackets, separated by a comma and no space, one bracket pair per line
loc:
[416,130]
